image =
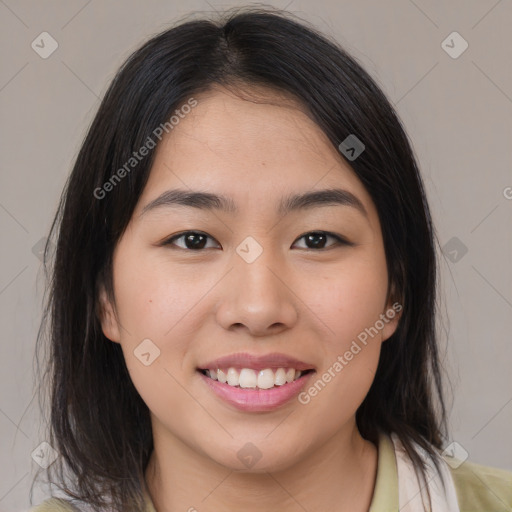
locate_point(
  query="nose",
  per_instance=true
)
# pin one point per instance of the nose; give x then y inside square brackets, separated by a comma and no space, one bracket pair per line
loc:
[256,297]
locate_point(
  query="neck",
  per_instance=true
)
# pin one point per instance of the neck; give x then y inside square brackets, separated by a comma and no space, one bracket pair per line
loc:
[336,476]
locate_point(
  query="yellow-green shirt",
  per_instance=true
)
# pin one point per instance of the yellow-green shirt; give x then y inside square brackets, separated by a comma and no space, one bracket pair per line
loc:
[479,488]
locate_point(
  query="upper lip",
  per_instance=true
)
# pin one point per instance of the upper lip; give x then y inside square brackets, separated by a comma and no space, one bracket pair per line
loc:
[256,362]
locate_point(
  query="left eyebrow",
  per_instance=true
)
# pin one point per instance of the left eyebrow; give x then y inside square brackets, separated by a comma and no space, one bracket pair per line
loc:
[293,202]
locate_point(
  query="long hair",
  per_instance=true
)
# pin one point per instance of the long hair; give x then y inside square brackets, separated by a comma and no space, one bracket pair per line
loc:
[98,422]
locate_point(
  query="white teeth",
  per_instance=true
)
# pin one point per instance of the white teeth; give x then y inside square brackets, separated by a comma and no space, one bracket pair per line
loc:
[233,378]
[249,378]
[266,379]
[280,377]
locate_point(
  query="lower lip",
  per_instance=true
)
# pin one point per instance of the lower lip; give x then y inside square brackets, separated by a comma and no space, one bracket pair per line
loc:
[257,400]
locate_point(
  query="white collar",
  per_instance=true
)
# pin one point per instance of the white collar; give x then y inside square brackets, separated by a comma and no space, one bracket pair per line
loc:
[410,493]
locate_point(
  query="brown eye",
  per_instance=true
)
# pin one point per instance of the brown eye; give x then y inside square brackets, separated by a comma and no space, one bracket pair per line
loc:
[192,240]
[318,239]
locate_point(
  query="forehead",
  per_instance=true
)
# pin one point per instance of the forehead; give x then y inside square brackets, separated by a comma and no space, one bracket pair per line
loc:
[253,148]
[263,124]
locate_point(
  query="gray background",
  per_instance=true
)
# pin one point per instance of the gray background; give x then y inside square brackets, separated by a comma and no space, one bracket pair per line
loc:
[457,112]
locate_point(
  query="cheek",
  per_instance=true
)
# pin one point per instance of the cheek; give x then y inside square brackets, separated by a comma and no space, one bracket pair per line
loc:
[152,305]
[350,302]
[350,386]
[151,296]
[334,395]
[350,299]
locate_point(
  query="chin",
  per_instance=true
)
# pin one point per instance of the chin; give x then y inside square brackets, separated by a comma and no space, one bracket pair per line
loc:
[257,457]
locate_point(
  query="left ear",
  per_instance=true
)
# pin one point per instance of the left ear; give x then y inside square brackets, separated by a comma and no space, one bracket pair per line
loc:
[392,313]
[392,316]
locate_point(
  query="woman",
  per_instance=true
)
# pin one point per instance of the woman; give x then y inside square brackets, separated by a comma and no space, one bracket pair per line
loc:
[242,301]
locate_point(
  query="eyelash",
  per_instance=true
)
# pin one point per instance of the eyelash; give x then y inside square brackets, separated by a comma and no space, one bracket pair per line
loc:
[340,240]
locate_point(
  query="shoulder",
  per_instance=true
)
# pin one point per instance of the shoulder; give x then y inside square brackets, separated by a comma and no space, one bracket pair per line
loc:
[54,505]
[481,487]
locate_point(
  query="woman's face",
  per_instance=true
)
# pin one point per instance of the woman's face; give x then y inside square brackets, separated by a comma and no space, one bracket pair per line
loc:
[253,280]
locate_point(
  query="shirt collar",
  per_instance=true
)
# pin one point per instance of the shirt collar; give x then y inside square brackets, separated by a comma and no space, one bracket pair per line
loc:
[385,494]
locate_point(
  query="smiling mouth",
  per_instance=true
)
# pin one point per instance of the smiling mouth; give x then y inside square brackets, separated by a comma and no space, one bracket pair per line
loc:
[247,378]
